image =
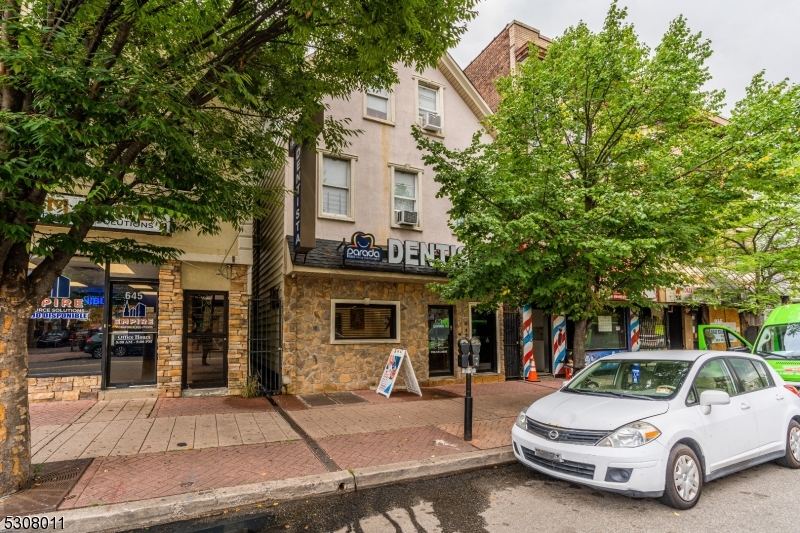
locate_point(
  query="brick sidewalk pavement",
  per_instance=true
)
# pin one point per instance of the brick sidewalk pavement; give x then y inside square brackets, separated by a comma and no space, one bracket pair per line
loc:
[486,434]
[148,448]
[58,413]
[386,447]
[138,477]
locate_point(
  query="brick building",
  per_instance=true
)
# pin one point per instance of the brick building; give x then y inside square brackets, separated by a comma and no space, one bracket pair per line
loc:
[501,56]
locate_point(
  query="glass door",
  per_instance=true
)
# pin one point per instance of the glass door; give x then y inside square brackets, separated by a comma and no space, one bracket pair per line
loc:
[133,333]
[205,340]
[484,326]
[440,340]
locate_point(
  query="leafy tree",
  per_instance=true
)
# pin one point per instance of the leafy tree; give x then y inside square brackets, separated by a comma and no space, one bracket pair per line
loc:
[163,109]
[607,170]
[756,263]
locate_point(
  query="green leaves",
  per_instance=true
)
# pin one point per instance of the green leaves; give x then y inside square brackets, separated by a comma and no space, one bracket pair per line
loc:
[181,109]
[607,172]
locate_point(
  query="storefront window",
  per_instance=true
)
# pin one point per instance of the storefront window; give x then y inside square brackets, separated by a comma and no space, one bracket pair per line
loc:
[64,332]
[133,330]
[608,331]
[358,321]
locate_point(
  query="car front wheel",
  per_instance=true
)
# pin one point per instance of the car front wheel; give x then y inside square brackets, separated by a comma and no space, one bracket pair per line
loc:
[684,478]
[97,353]
[120,351]
[792,457]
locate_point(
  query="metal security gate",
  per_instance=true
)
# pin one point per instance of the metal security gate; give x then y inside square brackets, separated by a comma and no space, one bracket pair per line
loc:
[512,342]
[266,343]
[653,334]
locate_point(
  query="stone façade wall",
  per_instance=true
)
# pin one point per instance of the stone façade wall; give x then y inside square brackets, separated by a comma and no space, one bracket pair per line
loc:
[63,388]
[312,364]
[237,329]
[170,330]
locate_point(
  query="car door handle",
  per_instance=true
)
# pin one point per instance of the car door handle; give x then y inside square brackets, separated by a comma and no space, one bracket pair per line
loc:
[779,396]
[745,406]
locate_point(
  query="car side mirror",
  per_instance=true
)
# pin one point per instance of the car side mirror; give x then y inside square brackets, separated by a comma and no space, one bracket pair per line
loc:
[713,397]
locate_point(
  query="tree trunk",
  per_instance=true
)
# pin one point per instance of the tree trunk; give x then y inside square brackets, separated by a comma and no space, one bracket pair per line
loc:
[15,428]
[579,343]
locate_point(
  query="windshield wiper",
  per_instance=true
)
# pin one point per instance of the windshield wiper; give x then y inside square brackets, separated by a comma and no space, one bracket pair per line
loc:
[610,393]
[584,391]
[771,354]
[634,396]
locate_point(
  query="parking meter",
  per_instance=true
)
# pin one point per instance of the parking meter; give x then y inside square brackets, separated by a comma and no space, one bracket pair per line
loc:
[463,352]
[475,345]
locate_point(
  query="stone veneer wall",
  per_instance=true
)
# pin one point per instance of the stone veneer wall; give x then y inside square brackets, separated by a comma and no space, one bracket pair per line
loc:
[237,329]
[63,388]
[170,330]
[312,364]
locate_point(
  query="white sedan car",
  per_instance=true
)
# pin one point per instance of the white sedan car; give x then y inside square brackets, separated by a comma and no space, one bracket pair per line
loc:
[660,424]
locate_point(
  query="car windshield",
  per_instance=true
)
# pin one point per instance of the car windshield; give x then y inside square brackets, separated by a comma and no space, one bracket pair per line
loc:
[639,379]
[780,341]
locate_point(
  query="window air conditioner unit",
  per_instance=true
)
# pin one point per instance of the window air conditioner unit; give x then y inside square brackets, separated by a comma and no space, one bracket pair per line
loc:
[406,218]
[432,122]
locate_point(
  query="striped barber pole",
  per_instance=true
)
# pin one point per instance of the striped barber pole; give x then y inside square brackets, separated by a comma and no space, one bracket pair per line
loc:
[528,362]
[559,344]
[636,344]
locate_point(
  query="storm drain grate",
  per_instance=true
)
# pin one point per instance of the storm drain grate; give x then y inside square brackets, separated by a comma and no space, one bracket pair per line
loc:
[316,400]
[51,485]
[330,398]
[345,397]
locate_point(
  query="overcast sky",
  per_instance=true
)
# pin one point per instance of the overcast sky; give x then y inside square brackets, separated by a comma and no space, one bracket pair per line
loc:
[746,36]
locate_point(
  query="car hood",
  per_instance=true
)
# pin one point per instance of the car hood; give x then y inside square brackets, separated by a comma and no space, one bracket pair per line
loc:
[584,411]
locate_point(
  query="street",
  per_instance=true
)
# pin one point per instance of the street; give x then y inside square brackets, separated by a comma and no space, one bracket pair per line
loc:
[514,499]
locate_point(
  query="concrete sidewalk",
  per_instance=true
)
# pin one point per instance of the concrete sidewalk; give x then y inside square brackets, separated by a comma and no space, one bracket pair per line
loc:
[146,449]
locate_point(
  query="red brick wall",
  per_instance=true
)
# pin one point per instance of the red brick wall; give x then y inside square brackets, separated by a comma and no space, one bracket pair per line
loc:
[493,62]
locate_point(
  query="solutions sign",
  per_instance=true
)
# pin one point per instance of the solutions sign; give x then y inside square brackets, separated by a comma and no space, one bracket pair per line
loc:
[66,204]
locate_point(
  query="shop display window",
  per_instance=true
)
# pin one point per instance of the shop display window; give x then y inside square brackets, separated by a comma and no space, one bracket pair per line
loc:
[64,331]
[365,322]
[608,331]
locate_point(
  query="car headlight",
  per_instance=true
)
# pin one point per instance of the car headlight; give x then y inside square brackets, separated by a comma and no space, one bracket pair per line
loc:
[631,436]
[522,420]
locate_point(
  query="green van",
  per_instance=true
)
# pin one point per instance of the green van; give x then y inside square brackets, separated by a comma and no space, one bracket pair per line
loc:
[778,342]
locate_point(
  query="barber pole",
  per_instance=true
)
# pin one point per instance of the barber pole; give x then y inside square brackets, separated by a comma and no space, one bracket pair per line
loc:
[528,362]
[636,345]
[559,344]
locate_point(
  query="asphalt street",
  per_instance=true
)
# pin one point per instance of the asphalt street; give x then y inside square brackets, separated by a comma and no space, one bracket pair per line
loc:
[513,499]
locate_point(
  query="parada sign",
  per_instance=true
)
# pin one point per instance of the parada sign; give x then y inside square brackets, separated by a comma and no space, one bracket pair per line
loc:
[412,253]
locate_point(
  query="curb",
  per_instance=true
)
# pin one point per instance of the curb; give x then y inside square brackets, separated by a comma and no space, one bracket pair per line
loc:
[375,476]
[145,513]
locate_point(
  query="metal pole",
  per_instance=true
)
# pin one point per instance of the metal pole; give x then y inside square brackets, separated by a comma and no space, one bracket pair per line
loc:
[468,409]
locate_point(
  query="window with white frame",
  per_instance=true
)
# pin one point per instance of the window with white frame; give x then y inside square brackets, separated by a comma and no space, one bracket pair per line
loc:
[356,321]
[379,104]
[336,186]
[406,191]
[427,100]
